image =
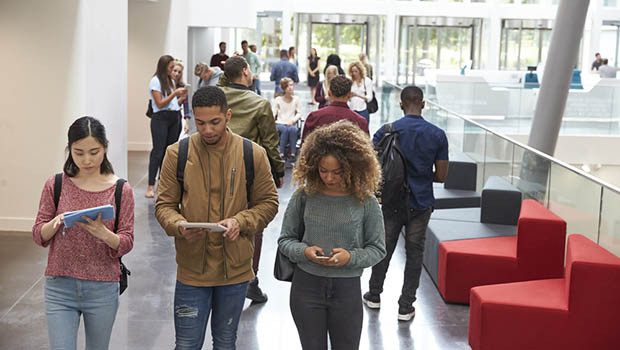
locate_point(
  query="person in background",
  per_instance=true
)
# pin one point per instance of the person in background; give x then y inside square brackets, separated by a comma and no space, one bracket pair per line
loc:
[314,63]
[252,118]
[598,61]
[219,58]
[292,56]
[283,68]
[333,60]
[339,93]
[257,80]
[254,64]
[337,175]
[83,269]
[321,95]
[166,119]
[367,65]
[361,90]
[207,76]
[425,149]
[286,110]
[213,267]
[177,78]
[607,71]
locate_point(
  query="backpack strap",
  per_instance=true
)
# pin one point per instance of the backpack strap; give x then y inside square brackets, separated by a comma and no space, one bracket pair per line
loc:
[302,209]
[248,159]
[181,161]
[57,189]
[118,196]
[388,128]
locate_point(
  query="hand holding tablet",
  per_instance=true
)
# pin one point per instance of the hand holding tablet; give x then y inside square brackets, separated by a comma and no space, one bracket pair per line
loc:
[204,225]
[106,211]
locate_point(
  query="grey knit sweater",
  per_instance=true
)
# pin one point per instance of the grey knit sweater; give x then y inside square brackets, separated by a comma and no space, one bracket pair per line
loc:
[334,222]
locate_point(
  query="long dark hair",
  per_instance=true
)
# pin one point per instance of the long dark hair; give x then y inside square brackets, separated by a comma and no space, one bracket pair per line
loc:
[162,74]
[82,128]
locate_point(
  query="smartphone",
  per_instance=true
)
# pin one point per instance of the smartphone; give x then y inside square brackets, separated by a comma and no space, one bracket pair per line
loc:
[322,257]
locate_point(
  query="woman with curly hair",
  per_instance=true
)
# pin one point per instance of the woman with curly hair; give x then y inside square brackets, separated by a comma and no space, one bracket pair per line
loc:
[337,174]
[361,89]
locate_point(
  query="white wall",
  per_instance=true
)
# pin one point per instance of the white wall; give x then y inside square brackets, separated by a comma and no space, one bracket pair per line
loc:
[64,60]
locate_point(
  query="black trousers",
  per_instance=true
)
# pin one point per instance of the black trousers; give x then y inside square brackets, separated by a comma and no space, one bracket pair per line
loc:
[322,305]
[165,130]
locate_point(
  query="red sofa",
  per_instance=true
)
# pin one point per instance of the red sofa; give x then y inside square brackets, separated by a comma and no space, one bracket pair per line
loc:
[578,312]
[536,252]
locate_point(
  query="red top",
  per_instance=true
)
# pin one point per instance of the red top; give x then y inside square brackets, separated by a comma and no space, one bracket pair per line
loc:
[78,253]
[334,112]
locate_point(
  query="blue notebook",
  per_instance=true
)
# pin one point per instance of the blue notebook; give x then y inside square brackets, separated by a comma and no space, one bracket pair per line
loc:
[71,217]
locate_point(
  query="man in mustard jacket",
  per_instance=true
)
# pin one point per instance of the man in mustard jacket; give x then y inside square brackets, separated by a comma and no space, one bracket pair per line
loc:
[253,119]
[213,267]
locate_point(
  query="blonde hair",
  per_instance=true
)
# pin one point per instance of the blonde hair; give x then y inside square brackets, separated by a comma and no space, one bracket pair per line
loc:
[285,82]
[363,58]
[360,67]
[330,73]
[179,63]
[200,68]
[354,151]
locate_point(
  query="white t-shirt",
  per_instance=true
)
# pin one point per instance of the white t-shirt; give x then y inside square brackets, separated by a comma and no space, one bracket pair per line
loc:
[356,103]
[154,84]
[286,112]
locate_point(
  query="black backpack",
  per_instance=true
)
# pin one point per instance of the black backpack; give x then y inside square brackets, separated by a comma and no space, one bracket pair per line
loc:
[248,159]
[118,195]
[393,189]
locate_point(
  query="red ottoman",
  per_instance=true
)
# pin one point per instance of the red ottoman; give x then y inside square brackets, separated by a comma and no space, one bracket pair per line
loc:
[536,252]
[577,312]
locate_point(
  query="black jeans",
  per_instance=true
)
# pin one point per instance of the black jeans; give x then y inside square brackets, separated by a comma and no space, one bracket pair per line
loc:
[415,222]
[320,305]
[165,130]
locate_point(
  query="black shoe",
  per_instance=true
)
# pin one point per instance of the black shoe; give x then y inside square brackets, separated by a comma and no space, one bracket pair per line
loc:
[406,313]
[254,292]
[373,301]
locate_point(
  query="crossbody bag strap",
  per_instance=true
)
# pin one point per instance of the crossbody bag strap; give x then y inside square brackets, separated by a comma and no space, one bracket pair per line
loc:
[302,209]
[248,159]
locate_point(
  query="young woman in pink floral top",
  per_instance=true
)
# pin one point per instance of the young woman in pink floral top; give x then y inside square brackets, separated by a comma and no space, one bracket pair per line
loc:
[82,274]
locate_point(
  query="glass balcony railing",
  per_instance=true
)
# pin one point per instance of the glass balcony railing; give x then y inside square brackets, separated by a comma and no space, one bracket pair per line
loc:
[588,205]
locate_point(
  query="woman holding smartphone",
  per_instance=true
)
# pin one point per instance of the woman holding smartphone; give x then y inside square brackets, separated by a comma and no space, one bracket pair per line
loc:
[337,174]
[177,77]
[166,120]
[82,274]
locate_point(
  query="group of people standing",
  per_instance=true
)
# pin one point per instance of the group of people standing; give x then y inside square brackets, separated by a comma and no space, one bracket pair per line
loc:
[228,173]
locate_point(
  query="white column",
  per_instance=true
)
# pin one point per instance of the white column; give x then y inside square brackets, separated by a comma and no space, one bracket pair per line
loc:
[103,25]
[592,42]
[390,54]
[495,40]
[286,30]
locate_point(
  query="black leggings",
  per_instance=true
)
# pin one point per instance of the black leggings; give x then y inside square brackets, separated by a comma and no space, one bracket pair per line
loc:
[165,130]
[320,305]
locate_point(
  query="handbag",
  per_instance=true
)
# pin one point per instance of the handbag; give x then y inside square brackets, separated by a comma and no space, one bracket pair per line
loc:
[149,110]
[372,106]
[284,268]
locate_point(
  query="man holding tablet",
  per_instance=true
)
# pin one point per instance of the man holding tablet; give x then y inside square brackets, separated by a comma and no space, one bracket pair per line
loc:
[214,267]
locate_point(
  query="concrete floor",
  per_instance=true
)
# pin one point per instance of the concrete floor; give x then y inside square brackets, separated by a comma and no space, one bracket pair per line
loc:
[145,318]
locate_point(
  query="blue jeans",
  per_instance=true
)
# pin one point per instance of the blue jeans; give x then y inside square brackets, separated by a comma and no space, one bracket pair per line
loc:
[256,86]
[67,298]
[288,136]
[365,114]
[192,306]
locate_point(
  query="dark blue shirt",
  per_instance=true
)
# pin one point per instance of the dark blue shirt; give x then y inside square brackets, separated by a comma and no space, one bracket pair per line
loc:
[423,143]
[281,69]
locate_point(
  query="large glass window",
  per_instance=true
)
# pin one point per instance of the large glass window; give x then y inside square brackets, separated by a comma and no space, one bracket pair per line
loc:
[524,43]
[610,38]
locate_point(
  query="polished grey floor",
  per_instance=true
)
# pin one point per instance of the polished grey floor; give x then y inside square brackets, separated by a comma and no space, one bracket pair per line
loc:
[144,319]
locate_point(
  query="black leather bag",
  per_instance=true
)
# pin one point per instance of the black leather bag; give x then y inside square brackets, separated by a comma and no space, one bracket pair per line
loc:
[149,110]
[372,106]
[284,269]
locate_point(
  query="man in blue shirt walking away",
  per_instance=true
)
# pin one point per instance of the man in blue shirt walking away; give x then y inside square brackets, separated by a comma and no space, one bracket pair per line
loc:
[283,68]
[424,145]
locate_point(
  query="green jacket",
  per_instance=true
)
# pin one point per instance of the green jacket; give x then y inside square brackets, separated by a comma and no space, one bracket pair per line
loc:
[253,119]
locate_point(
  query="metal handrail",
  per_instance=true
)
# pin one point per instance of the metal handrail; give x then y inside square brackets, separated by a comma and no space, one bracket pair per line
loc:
[522,145]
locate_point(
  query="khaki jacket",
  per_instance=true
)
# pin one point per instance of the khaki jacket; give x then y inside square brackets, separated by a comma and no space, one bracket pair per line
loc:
[215,189]
[253,119]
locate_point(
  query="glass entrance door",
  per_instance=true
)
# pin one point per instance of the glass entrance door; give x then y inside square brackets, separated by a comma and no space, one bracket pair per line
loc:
[345,40]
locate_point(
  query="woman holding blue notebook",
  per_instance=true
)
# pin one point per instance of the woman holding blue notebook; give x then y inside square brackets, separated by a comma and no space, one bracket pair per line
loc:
[83,268]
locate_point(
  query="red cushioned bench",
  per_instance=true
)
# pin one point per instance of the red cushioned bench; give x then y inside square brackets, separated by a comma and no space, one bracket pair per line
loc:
[536,252]
[578,312]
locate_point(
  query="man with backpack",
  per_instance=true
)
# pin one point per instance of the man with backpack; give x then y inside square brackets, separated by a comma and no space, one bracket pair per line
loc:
[418,145]
[211,177]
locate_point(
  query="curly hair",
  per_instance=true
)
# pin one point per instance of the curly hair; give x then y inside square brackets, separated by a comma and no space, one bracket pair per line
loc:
[360,67]
[354,151]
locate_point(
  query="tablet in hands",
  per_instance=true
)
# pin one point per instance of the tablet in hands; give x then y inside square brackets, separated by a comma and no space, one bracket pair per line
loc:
[205,225]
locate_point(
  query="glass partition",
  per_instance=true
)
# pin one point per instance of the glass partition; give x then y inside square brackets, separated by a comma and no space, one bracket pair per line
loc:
[609,233]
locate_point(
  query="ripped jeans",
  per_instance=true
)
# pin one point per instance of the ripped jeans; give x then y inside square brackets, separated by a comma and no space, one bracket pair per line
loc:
[192,307]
